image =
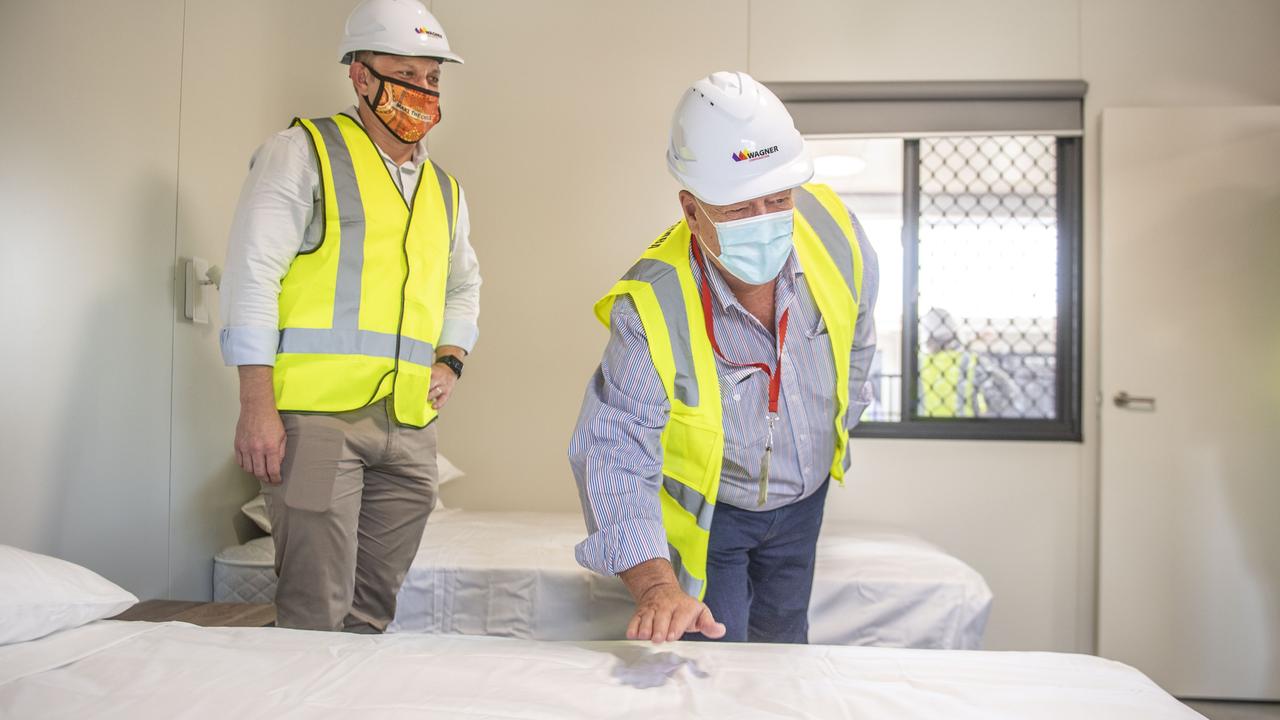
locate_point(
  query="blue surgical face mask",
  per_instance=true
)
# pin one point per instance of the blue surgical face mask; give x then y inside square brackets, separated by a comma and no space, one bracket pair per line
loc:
[754,249]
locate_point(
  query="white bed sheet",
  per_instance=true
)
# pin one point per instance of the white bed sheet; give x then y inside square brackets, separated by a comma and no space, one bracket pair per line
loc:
[514,574]
[113,669]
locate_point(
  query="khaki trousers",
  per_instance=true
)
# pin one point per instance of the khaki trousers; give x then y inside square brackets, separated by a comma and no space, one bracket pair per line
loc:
[348,517]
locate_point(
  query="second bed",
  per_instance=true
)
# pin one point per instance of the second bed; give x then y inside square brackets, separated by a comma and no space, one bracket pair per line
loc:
[514,575]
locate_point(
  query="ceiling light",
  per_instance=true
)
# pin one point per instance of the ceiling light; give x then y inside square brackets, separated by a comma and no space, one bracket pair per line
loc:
[838,165]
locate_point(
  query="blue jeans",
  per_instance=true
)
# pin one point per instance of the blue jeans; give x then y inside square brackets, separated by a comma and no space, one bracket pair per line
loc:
[760,570]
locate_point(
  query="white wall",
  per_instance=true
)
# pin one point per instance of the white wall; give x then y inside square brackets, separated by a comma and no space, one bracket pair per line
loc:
[248,68]
[88,159]
[556,126]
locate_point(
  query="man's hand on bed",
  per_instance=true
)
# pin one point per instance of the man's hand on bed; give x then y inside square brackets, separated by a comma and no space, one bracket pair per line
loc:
[663,611]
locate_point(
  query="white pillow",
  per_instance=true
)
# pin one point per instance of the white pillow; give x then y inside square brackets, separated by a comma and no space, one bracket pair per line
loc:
[448,471]
[256,509]
[41,595]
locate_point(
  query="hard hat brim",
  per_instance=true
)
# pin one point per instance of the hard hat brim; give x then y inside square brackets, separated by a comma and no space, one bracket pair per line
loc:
[792,175]
[347,54]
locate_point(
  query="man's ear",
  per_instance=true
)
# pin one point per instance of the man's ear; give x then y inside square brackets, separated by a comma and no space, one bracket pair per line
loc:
[359,78]
[690,207]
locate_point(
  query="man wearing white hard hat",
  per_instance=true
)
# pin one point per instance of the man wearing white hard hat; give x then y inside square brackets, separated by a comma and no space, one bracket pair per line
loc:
[350,299]
[737,363]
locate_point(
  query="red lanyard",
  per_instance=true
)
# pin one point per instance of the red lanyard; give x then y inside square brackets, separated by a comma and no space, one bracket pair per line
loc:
[774,374]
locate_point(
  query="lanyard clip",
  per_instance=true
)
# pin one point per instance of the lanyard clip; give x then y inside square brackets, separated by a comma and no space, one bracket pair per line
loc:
[764,463]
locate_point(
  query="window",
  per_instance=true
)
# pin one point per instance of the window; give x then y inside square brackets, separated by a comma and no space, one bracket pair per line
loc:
[977,234]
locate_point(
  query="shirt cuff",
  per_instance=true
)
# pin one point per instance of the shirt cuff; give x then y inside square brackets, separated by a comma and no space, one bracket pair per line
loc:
[462,333]
[622,546]
[249,345]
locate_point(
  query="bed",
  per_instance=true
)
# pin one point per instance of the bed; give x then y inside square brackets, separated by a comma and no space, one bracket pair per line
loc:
[111,669]
[514,574]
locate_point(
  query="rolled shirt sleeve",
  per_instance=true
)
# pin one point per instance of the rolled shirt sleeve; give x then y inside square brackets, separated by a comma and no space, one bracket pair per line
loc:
[616,454]
[276,205]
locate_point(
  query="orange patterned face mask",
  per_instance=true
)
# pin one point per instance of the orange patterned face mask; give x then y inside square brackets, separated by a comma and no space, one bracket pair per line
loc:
[408,111]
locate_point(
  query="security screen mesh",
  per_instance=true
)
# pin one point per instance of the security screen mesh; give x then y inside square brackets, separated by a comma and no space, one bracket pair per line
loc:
[987,284]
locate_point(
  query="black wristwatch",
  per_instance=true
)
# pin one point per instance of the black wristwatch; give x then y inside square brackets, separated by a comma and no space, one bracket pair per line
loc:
[452,363]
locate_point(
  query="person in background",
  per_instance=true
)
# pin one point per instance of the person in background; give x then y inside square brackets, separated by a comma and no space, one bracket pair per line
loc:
[736,365]
[958,382]
[350,298]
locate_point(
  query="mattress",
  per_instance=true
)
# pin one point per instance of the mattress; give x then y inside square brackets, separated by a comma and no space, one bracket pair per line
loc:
[514,574]
[114,669]
[245,573]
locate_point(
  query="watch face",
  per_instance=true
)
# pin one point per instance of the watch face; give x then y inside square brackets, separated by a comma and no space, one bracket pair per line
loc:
[452,363]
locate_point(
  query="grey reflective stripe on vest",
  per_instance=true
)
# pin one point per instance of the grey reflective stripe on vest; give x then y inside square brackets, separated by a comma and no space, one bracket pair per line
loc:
[354,342]
[691,585]
[446,189]
[666,286]
[833,238]
[346,292]
[691,500]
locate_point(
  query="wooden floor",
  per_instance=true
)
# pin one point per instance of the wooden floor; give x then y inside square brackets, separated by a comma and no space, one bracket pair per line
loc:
[207,614]
[1228,710]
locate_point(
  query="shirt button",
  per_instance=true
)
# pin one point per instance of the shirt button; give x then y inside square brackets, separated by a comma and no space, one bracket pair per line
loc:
[804,437]
[737,397]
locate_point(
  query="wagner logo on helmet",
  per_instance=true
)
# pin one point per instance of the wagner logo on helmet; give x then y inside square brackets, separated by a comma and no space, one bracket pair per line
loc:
[428,33]
[745,154]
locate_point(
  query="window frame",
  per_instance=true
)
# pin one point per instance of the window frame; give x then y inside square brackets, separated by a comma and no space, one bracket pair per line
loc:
[912,110]
[1066,426]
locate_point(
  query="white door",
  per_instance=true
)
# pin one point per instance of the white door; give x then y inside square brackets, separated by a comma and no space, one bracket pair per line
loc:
[1189,585]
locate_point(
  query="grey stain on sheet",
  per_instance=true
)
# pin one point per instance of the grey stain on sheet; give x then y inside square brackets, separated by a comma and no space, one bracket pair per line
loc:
[642,668]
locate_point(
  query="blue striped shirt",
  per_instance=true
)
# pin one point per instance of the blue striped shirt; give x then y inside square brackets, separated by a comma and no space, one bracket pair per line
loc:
[615,451]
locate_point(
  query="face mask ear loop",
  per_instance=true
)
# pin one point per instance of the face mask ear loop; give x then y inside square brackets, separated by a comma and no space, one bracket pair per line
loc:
[382,84]
[698,236]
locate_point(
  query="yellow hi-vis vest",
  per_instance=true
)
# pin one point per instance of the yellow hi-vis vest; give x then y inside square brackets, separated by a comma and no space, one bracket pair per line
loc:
[948,387]
[662,286]
[360,315]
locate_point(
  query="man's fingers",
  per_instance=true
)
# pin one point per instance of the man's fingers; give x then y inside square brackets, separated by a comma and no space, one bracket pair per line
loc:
[683,621]
[439,394]
[708,626]
[259,465]
[662,625]
[645,630]
[633,627]
[273,466]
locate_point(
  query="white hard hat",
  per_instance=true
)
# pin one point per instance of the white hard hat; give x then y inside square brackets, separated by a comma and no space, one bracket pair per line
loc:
[395,27]
[733,140]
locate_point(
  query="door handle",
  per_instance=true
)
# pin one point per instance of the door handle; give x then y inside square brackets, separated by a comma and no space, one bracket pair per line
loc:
[1129,402]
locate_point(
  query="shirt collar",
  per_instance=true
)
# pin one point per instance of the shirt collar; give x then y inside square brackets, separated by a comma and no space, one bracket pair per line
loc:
[419,149]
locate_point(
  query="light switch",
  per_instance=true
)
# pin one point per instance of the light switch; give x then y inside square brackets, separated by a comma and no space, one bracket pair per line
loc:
[199,277]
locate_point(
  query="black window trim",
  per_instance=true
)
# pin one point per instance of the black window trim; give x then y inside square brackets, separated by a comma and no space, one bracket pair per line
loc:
[911,110]
[1067,395]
